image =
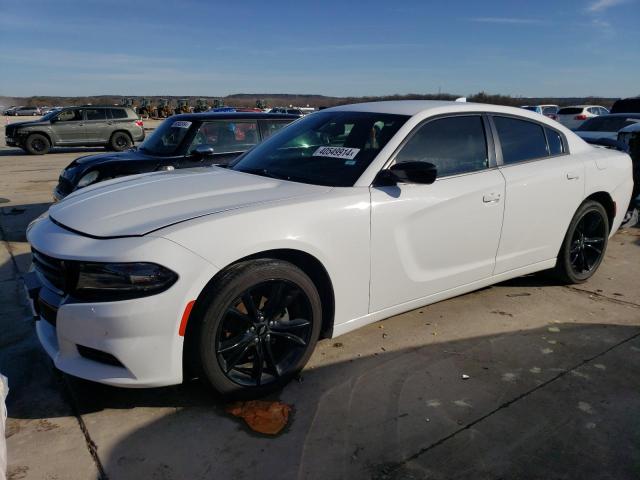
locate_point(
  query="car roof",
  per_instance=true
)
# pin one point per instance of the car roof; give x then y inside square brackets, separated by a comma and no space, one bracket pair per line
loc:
[581,106]
[424,108]
[624,115]
[399,107]
[233,116]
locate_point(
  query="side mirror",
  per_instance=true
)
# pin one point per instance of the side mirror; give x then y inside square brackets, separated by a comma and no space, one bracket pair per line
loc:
[407,172]
[203,150]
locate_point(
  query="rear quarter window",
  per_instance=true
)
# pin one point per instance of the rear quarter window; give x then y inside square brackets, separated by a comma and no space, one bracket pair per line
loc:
[118,113]
[556,145]
[570,111]
[520,140]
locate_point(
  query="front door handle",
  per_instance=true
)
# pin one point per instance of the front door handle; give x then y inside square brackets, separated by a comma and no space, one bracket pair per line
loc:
[491,197]
[573,176]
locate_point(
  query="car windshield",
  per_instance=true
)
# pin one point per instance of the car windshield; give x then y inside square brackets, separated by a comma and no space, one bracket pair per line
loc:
[50,115]
[166,139]
[607,124]
[326,148]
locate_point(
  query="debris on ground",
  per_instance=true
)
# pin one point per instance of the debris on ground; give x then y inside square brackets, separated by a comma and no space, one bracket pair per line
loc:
[262,416]
[384,335]
[338,345]
[465,376]
[523,294]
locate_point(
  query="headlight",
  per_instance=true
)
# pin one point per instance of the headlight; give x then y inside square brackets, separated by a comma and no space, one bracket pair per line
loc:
[88,179]
[120,281]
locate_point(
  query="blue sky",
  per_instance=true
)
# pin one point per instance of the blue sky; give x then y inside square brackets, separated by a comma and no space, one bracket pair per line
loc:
[141,47]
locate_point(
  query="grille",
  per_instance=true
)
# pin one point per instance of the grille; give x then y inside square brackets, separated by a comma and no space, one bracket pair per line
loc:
[50,268]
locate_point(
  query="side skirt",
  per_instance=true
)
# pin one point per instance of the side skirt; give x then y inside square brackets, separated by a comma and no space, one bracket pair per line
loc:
[342,328]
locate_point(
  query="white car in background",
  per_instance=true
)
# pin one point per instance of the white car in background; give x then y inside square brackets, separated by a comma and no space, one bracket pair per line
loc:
[572,117]
[548,110]
[345,217]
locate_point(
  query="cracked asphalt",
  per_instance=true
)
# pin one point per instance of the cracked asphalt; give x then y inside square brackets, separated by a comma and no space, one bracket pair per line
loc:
[551,385]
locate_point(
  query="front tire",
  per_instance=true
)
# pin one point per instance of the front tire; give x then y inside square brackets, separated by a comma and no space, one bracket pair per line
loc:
[259,325]
[37,144]
[584,244]
[120,142]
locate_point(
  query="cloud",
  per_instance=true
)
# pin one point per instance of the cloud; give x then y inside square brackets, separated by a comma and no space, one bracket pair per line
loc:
[601,5]
[510,20]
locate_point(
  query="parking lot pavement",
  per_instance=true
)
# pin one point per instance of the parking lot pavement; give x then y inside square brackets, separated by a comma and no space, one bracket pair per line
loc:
[554,376]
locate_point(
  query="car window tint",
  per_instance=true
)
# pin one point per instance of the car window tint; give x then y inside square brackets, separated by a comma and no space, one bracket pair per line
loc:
[570,111]
[95,114]
[454,145]
[606,124]
[556,147]
[269,127]
[117,113]
[226,136]
[74,115]
[520,140]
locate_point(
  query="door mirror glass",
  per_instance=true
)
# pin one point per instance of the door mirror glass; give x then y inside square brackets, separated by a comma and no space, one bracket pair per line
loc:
[408,172]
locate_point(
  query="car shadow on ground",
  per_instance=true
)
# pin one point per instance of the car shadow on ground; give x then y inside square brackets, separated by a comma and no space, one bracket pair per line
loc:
[386,415]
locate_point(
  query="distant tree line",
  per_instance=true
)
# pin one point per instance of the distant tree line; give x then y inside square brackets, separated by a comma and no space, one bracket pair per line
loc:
[301,100]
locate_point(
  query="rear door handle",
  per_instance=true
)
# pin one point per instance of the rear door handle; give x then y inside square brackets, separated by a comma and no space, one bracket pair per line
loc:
[573,176]
[491,197]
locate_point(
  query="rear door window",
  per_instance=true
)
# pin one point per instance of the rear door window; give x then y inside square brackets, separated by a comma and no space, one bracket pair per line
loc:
[520,140]
[95,114]
[454,145]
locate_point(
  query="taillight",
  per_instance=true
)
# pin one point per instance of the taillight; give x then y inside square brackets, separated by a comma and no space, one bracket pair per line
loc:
[139,123]
[580,117]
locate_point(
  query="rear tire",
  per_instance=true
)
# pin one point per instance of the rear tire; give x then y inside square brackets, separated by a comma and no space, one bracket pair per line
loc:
[247,347]
[37,144]
[584,244]
[120,142]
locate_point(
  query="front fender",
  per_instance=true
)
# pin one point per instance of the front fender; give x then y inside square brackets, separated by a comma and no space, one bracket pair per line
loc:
[333,228]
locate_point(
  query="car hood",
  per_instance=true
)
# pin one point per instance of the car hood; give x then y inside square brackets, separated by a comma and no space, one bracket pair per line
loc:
[140,204]
[129,155]
[29,123]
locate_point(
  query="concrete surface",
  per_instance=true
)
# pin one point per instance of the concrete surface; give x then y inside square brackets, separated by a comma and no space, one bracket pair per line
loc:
[553,388]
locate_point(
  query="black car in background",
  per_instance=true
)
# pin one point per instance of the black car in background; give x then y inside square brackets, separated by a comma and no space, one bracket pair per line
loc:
[626,105]
[181,141]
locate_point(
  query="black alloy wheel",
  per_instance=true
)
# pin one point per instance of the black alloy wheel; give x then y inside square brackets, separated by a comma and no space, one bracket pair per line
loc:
[585,243]
[37,144]
[264,333]
[254,327]
[120,141]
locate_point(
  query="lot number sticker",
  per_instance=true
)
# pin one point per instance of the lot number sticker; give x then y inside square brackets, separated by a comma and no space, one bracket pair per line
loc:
[181,124]
[336,152]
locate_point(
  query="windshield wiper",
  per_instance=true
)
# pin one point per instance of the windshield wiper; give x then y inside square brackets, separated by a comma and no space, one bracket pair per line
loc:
[264,173]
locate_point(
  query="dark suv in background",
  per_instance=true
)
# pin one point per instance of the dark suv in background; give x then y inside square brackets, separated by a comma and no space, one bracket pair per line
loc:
[182,141]
[116,128]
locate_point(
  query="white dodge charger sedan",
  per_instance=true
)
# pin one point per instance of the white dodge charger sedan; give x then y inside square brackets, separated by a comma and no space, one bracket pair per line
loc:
[345,217]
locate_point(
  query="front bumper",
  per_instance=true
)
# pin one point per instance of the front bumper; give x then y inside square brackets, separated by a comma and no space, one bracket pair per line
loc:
[11,141]
[128,343]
